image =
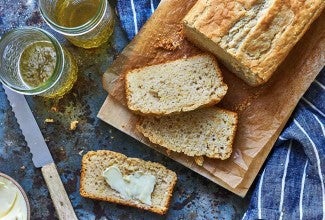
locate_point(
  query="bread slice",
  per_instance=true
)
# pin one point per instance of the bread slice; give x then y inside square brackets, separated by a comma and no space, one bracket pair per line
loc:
[205,132]
[251,37]
[94,186]
[177,86]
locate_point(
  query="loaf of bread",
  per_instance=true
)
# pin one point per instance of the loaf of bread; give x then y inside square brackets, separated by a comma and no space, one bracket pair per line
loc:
[176,86]
[251,37]
[94,186]
[204,132]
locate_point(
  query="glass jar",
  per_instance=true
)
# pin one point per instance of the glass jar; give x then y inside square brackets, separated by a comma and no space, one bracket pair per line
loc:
[85,23]
[32,62]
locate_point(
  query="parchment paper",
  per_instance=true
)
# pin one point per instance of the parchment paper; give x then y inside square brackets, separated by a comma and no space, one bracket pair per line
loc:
[263,111]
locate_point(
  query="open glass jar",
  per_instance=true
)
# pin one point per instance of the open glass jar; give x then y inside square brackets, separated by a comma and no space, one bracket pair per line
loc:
[32,62]
[85,23]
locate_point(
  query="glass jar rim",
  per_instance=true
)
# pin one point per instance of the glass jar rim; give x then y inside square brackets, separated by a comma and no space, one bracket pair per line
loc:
[78,30]
[59,66]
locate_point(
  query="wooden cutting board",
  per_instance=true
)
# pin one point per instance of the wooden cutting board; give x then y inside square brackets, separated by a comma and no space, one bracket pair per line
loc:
[263,111]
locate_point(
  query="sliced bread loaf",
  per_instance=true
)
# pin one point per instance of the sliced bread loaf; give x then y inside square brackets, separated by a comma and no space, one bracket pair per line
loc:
[252,37]
[177,86]
[94,186]
[204,132]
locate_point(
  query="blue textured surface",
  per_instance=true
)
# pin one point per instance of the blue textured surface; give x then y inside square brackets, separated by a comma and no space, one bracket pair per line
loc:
[194,196]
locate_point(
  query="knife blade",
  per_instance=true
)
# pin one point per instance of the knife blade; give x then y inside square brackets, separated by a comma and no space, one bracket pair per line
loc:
[41,155]
[29,128]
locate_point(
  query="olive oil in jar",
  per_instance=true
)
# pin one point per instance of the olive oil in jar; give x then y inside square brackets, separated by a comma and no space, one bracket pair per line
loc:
[76,13]
[67,80]
[37,64]
[93,15]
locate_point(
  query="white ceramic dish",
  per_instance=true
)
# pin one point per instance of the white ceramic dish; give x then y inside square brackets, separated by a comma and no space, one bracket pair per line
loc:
[20,202]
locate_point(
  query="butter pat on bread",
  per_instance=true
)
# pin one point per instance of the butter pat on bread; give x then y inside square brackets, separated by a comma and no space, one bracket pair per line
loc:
[93,184]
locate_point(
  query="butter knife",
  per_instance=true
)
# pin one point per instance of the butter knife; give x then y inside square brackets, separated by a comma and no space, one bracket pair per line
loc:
[42,157]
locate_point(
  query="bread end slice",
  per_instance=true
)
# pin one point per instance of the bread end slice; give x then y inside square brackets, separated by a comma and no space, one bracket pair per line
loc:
[94,186]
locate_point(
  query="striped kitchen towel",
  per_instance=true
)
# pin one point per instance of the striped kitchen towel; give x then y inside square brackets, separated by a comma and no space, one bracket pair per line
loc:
[291,184]
[134,13]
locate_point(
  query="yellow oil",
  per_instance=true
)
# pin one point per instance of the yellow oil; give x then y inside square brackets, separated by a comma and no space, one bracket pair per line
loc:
[76,13]
[67,80]
[37,64]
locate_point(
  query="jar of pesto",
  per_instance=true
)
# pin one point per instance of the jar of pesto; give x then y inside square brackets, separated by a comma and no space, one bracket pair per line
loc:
[34,63]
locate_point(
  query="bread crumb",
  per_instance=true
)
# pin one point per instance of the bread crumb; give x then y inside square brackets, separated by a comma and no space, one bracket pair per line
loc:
[23,168]
[49,120]
[54,109]
[168,44]
[168,152]
[73,125]
[199,160]
[171,42]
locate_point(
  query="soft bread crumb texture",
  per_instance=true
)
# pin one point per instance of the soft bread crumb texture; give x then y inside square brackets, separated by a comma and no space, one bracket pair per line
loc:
[251,37]
[177,86]
[94,186]
[204,132]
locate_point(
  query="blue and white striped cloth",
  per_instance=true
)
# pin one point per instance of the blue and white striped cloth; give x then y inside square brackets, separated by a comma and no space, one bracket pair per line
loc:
[134,13]
[291,185]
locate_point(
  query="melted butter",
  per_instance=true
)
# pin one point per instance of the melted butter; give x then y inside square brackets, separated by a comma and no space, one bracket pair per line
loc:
[13,205]
[135,186]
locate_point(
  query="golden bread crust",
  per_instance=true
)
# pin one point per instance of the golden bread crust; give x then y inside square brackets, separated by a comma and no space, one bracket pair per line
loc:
[256,34]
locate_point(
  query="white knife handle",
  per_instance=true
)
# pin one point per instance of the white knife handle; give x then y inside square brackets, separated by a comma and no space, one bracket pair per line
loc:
[58,194]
